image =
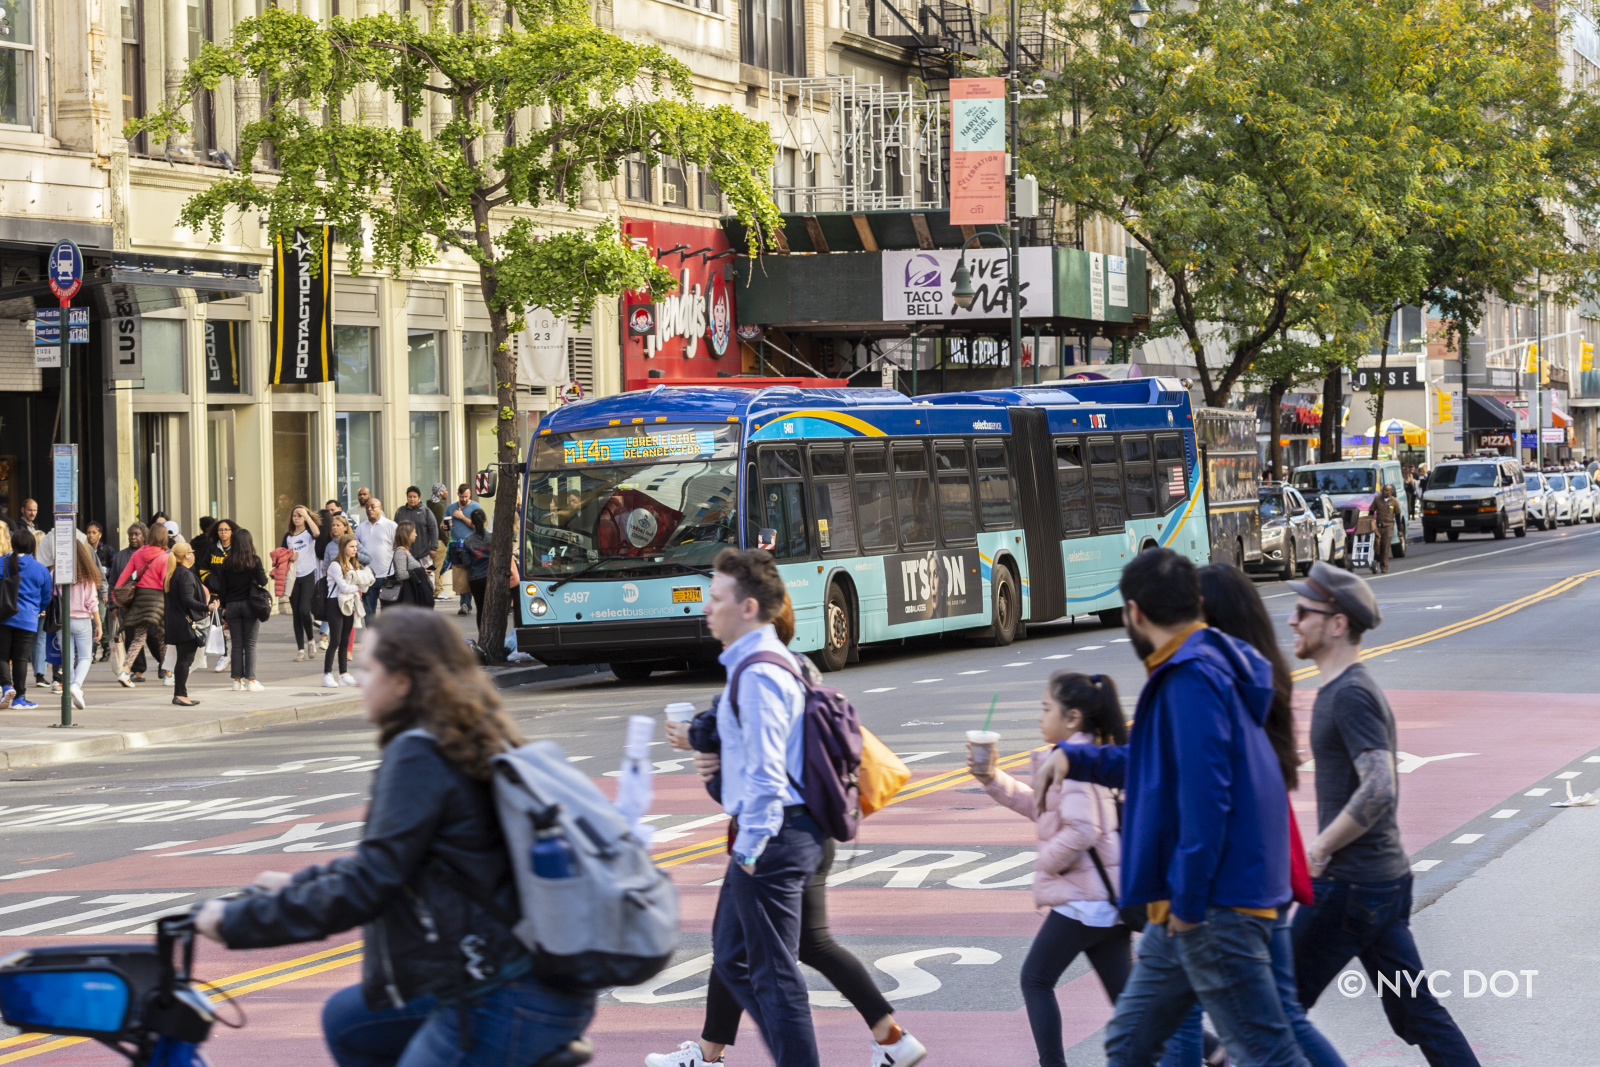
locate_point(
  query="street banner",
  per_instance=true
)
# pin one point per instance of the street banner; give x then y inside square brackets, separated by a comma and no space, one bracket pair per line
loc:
[919,284]
[977,151]
[222,357]
[124,338]
[542,349]
[302,309]
[933,585]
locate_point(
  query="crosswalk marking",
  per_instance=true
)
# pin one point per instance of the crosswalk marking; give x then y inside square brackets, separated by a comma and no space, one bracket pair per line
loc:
[1061,655]
[1425,865]
[364,765]
[27,904]
[268,809]
[1467,839]
[14,875]
[1504,813]
[913,757]
[116,902]
[672,833]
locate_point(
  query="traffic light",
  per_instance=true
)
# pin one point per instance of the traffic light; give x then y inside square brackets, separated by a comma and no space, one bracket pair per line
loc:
[1587,348]
[1447,412]
[1531,364]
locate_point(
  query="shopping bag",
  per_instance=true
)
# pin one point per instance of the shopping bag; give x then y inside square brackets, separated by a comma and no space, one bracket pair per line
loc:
[216,637]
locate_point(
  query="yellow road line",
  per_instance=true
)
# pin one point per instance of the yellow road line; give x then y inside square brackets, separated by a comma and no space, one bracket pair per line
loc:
[50,1046]
[1570,582]
[297,962]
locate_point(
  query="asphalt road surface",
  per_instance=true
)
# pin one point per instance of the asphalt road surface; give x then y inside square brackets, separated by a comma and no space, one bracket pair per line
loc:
[1486,652]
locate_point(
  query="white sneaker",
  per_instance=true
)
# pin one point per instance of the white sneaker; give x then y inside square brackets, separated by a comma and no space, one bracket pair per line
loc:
[255,687]
[223,664]
[169,680]
[125,680]
[322,644]
[903,1053]
[77,697]
[329,682]
[688,1055]
[238,685]
[347,679]
[300,655]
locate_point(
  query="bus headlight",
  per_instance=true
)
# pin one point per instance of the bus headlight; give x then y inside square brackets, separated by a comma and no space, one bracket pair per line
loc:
[537,606]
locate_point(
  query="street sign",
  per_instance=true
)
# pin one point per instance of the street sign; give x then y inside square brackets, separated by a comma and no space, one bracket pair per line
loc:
[64,461]
[77,316]
[47,326]
[65,270]
[65,563]
[77,335]
[47,356]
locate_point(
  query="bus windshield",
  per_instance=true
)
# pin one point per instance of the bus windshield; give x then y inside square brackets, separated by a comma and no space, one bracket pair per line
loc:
[1336,480]
[634,519]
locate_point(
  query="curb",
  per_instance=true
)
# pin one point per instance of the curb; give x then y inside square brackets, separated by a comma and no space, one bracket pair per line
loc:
[109,744]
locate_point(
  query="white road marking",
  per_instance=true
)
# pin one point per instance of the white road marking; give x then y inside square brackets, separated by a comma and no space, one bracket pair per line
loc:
[38,902]
[1089,648]
[293,765]
[1592,759]
[1467,839]
[925,681]
[1536,792]
[301,834]
[662,766]
[276,812]
[1569,774]
[1504,813]
[164,844]
[912,757]
[884,689]
[1425,865]
[672,833]
[1062,655]
[116,902]
[1121,640]
[1020,663]
[919,722]
[912,980]
[576,759]
[984,671]
[364,765]
[904,872]
[14,875]
[1409,763]
[143,924]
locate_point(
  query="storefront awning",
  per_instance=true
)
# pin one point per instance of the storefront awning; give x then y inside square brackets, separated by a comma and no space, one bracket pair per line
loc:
[143,283]
[1489,413]
[1558,418]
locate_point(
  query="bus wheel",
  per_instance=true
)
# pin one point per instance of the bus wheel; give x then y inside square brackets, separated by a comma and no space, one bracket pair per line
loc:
[1003,595]
[1111,617]
[632,672]
[838,635]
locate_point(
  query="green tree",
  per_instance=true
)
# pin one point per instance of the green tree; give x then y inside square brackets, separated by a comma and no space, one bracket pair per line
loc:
[538,101]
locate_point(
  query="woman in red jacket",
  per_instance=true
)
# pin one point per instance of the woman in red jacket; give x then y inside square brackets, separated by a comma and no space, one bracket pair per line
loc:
[143,618]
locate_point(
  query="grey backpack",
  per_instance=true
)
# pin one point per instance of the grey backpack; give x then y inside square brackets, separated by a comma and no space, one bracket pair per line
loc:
[614,922]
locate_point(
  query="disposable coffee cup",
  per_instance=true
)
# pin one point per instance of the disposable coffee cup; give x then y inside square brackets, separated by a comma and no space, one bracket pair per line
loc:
[680,712]
[985,739]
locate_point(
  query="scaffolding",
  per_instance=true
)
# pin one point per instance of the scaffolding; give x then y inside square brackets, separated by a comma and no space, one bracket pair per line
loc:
[858,146]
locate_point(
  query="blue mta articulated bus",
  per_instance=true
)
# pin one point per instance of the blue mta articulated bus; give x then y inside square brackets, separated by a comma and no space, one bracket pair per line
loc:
[973,513]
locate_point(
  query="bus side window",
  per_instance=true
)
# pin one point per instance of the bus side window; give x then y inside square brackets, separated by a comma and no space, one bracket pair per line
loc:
[913,495]
[783,501]
[874,501]
[955,493]
[994,485]
[1072,484]
[1172,477]
[830,495]
[1106,477]
[1139,475]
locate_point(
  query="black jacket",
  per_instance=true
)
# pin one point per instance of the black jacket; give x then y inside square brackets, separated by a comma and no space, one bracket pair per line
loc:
[233,586]
[185,600]
[431,834]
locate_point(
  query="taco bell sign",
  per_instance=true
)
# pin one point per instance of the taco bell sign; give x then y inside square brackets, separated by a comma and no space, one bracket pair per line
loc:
[918,284]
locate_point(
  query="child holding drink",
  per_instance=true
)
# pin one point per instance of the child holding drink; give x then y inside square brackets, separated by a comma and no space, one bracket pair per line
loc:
[1077,817]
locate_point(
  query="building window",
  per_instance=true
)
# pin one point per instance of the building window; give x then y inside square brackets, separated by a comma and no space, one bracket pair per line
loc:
[638,178]
[163,355]
[784,179]
[770,34]
[205,106]
[355,460]
[710,193]
[422,361]
[293,458]
[352,351]
[225,366]
[133,69]
[674,183]
[151,445]
[16,63]
[477,367]
[427,447]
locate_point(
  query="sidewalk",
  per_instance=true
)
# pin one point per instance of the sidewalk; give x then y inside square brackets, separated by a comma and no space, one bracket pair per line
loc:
[118,718]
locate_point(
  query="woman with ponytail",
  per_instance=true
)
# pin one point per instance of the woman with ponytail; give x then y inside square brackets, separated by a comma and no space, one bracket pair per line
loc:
[1078,819]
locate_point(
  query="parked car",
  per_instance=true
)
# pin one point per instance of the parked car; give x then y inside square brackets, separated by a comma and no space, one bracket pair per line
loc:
[1558,499]
[1585,497]
[1354,484]
[1288,532]
[1331,544]
[1542,503]
[1478,495]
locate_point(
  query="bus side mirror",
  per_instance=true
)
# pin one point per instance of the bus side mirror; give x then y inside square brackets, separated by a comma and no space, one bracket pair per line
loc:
[485,481]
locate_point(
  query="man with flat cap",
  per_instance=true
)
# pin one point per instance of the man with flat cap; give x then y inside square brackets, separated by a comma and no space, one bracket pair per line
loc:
[1360,873]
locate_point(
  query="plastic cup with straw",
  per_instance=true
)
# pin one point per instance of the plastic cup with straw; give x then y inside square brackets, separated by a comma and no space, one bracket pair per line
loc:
[986,738]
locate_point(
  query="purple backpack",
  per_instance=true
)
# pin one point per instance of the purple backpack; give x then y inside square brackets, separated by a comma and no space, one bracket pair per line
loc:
[832,749]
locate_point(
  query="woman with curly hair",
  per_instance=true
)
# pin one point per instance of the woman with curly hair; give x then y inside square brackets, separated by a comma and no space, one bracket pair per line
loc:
[442,980]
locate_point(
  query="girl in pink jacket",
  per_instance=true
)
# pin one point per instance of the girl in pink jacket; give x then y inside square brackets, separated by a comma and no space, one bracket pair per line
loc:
[1077,816]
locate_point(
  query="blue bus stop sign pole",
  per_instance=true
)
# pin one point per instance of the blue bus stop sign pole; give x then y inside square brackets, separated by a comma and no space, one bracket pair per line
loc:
[65,272]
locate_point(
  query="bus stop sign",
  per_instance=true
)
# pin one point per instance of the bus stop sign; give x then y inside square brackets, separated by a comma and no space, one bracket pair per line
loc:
[66,270]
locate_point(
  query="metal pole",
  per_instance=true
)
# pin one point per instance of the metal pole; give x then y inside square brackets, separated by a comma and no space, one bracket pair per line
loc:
[1538,375]
[916,335]
[1035,353]
[65,632]
[1011,180]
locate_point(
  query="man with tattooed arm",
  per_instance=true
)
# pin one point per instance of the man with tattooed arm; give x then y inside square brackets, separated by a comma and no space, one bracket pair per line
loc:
[1360,873]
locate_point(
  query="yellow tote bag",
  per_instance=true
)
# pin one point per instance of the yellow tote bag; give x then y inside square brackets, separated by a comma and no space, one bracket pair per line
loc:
[881,774]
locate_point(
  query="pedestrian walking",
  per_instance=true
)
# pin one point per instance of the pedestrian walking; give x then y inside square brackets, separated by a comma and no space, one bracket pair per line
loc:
[459,516]
[410,583]
[377,537]
[472,556]
[777,845]
[1413,492]
[1075,820]
[94,535]
[456,987]
[83,617]
[301,539]
[892,1046]
[348,578]
[438,497]
[233,583]
[118,637]
[187,603]
[1384,510]
[19,632]
[1360,872]
[1205,836]
[142,617]
[1234,607]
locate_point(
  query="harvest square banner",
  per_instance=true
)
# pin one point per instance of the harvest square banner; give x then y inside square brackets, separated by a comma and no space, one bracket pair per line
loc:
[977,151]
[302,306]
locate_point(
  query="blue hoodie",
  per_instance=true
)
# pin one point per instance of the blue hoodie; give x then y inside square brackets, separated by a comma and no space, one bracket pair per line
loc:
[33,591]
[1205,822]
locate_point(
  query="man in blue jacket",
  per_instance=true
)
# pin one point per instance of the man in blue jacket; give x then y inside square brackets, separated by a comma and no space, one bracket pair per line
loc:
[1205,838]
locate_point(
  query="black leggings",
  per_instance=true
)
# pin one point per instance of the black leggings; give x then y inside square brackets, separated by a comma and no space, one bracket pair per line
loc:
[339,627]
[1056,945]
[16,656]
[305,624]
[817,949]
[181,665]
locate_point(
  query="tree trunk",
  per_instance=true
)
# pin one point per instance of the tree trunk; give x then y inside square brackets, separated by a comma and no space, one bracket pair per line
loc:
[1377,388]
[1275,392]
[503,540]
[1332,404]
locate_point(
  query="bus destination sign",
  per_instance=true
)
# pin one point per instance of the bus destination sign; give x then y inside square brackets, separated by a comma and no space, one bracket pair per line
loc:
[634,444]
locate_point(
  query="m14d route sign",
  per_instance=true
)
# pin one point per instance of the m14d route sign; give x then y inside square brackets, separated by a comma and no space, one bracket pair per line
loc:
[65,270]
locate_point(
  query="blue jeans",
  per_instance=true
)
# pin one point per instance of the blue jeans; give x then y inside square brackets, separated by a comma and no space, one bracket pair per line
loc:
[1373,922]
[82,649]
[41,666]
[518,1024]
[369,599]
[1319,1051]
[1225,964]
[755,939]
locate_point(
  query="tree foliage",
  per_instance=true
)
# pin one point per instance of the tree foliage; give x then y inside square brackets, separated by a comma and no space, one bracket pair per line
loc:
[509,117]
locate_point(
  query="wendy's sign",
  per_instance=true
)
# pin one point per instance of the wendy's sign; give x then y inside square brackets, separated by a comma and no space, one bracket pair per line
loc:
[688,333]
